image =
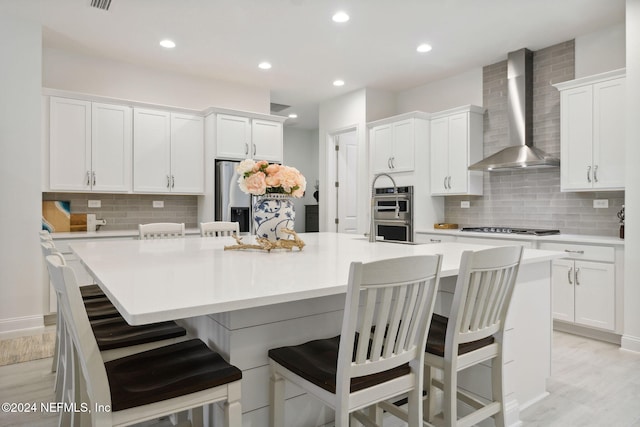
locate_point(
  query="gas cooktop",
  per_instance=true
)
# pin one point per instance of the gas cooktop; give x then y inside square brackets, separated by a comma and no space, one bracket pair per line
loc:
[510,230]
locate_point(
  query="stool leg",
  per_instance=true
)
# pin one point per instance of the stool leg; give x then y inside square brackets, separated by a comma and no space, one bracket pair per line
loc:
[450,403]
[429,404]
[276,398]
[232,407]
[497,388]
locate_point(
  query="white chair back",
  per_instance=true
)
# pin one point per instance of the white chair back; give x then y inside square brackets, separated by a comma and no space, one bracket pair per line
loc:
[483,293]
[89,360]
[219,228]
[398,296]
[161,230]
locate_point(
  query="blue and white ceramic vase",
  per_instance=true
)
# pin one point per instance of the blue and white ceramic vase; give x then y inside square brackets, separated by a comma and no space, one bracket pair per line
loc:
[272,213]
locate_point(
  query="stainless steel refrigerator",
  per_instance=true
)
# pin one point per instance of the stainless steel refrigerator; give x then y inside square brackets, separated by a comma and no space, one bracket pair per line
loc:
[231,203]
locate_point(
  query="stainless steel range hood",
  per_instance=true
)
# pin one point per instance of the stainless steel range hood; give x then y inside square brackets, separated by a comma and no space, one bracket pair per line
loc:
[520,153]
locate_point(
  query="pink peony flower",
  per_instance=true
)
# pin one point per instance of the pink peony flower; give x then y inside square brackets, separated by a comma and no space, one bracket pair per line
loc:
[255,183]
[259,165]
[273,169]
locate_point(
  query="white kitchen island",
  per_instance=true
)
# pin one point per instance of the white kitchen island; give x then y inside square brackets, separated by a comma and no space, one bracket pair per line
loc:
[243,303]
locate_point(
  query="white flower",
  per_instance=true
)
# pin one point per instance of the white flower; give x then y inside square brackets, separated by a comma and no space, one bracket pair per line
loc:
[245,166]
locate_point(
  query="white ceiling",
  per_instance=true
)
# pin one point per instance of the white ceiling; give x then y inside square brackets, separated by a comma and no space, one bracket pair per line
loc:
[226,39]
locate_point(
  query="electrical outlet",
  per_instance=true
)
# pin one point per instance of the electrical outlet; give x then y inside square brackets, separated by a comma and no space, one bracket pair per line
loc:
[94,204]
[158,203]
[600,203]
[465,204]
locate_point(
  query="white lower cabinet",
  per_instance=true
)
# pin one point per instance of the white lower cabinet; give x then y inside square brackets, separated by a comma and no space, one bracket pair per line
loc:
[584,286]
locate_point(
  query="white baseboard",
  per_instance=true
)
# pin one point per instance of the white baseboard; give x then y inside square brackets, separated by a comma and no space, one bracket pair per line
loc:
[585,331]
[630,343]
[20,325]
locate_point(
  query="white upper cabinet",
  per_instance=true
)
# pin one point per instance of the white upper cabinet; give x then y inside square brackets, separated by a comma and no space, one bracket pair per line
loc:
[111,138]
[456,142]
[239,137]
[233,137]
[168,152]
[267,140]
[392,142]
[592,121]
[89,146]
[187,153]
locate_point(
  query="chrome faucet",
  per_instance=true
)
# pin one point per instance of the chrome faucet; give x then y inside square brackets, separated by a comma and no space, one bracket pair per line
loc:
[372,228]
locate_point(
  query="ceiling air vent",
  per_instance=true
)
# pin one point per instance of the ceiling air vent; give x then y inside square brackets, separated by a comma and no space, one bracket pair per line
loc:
[101,4]
[276,108]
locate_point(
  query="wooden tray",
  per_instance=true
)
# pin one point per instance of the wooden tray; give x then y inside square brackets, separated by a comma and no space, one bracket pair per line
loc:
[445,226]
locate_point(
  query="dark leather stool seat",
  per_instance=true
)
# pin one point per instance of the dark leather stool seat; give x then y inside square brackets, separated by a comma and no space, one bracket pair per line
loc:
[317,361]
[91,292]
[115,332]
[166,372]
[100,308]
[438,332]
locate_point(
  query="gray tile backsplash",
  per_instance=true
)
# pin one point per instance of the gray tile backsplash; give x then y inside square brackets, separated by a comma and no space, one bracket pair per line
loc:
[126,211]
[533,198]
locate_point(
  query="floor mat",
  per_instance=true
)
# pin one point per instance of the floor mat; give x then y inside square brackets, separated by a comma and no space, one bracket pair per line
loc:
[24,349]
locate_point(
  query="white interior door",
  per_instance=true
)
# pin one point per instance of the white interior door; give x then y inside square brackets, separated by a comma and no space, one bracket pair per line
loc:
[347,200]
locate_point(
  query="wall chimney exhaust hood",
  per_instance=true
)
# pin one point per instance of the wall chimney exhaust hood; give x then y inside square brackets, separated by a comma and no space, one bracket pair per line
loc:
[520,153]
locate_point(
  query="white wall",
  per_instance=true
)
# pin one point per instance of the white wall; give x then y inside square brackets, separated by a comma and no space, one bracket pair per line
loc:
[600,51]
[98,76]
[380,104]
[455,91]
[631,336]
[21,289]
[334,115]
[301,151]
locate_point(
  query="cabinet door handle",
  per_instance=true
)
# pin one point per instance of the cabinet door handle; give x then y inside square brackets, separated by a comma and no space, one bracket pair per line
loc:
[444,182]
[569,275]
[173,181]
[389,163]
[246,148]
[254,150]
[574,252]
[93,178]
[88,178]
[393,162]
[589,174]
[435,240]
[168,181]
[576,276]
[449,182]
[595,173]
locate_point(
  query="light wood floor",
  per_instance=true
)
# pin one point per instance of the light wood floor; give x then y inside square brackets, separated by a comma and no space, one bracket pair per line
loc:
[593,384]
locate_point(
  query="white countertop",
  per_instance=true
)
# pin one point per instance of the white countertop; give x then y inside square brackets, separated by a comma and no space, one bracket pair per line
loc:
[575,238]
[156,280]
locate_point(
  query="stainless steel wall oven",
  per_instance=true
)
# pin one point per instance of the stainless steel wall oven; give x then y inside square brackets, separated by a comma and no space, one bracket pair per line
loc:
[393,213]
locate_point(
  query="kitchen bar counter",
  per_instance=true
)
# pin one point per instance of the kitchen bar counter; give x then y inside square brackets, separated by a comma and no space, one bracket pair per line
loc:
[243,303]
[108,234]
[156,280]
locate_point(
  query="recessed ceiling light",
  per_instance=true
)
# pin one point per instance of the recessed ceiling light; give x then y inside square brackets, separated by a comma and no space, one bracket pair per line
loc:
[424,47]
[169,44]
[264,65]
[340,17]
[293,116]
[338,83]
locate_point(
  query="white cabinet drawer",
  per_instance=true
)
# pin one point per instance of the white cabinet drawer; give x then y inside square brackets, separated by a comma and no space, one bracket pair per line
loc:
[577,251]
[434,238]
[494,242]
